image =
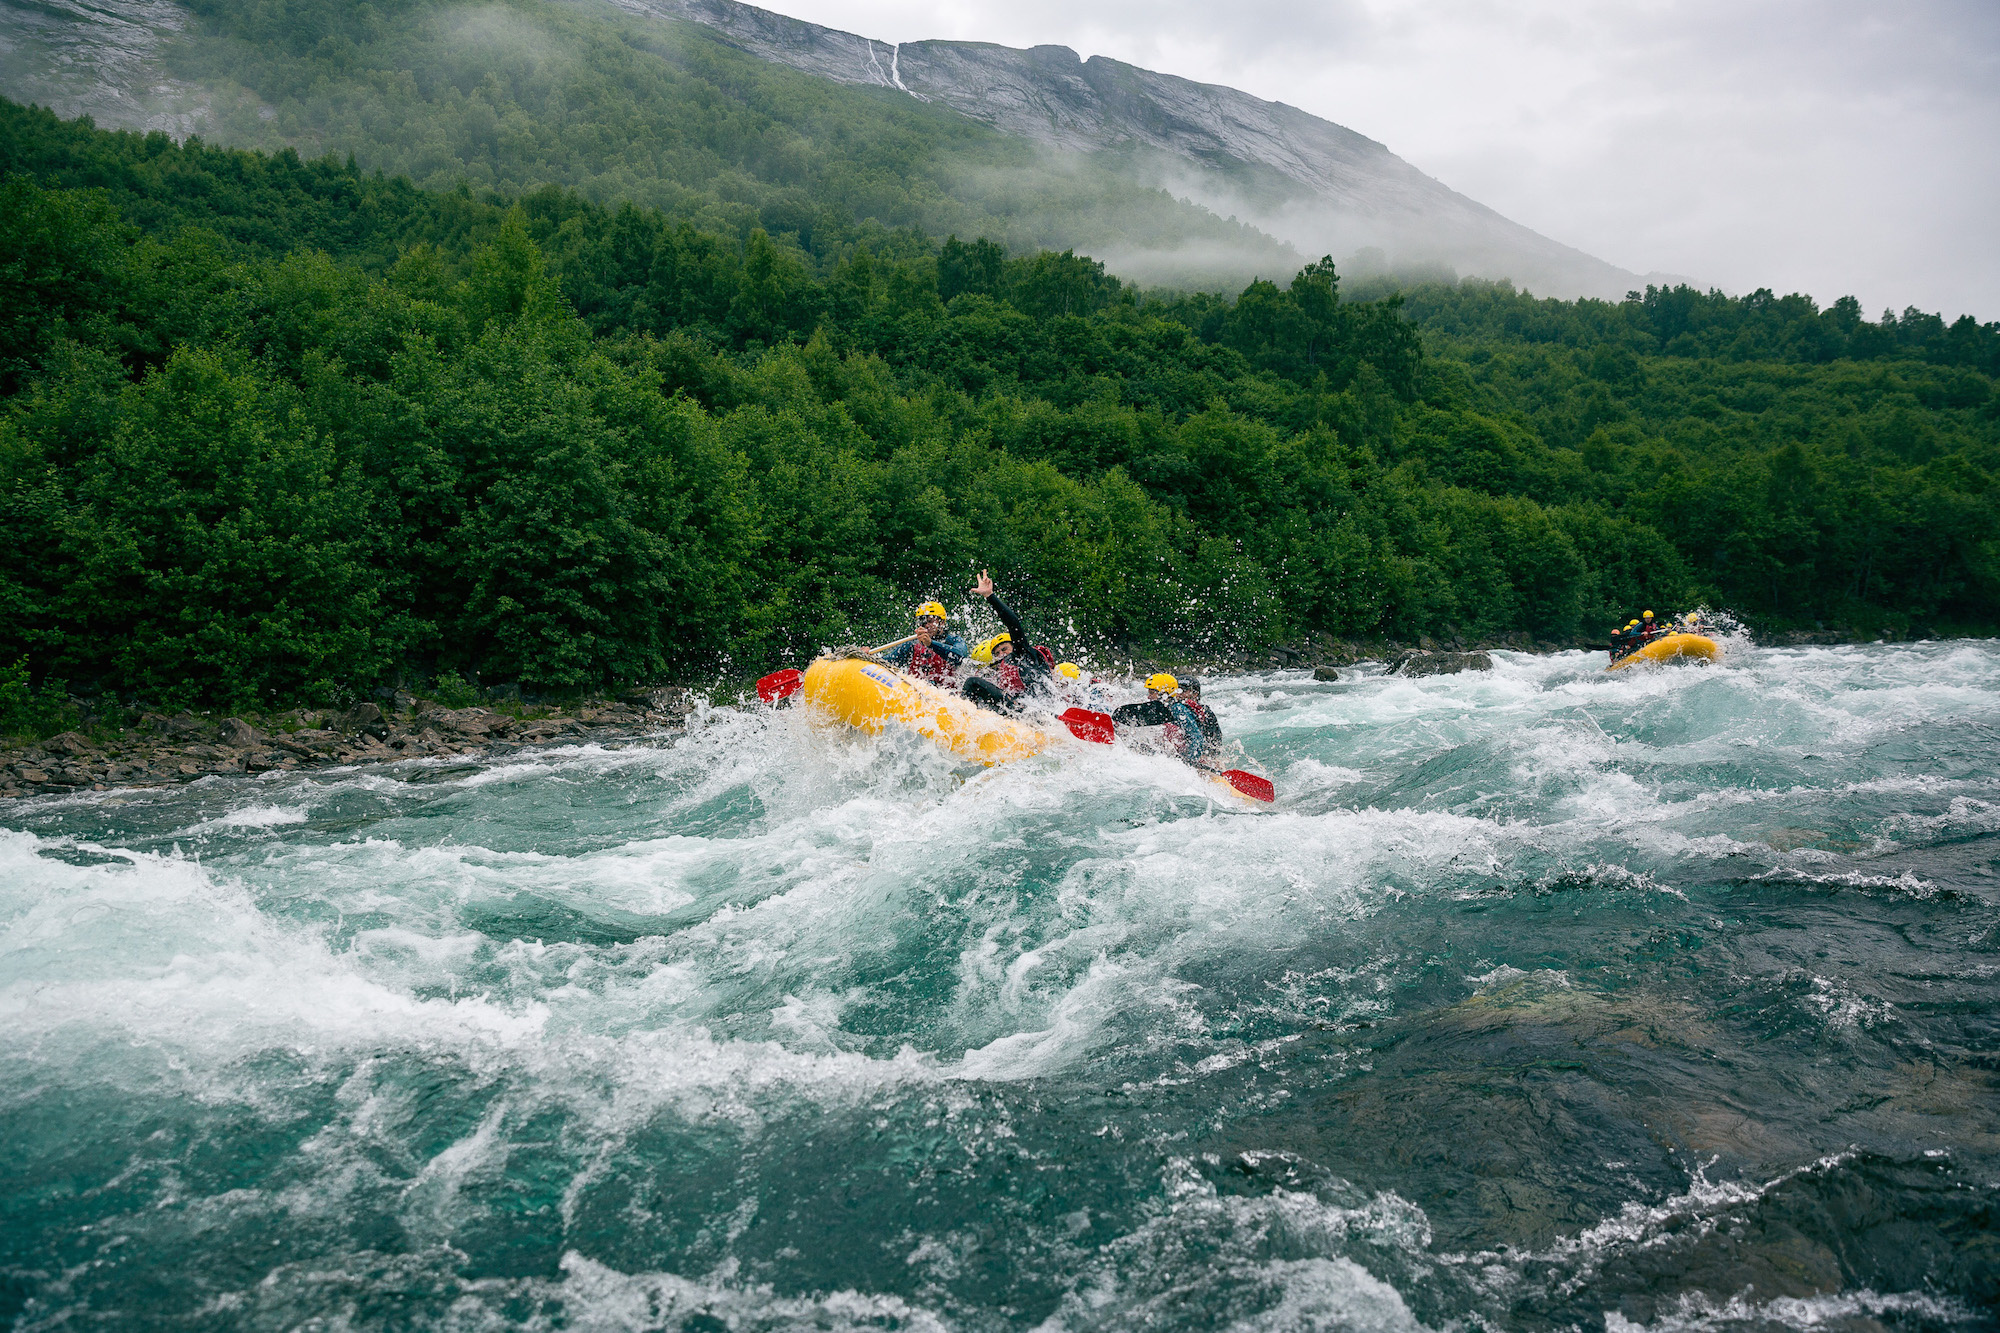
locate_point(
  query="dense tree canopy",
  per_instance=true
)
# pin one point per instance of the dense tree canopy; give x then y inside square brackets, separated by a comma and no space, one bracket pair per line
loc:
[278,429]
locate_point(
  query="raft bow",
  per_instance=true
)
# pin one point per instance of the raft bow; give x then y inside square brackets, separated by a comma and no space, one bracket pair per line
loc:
[1673,648]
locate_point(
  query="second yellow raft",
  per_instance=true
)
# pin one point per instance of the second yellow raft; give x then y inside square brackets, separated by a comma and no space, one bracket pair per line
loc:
[865,695]
[1671,647]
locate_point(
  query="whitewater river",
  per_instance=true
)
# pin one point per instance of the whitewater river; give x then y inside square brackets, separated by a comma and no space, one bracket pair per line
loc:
[1542,999]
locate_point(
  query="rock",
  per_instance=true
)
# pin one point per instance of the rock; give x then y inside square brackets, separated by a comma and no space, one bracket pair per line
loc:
[235,731]
[659,699]
[402,701]
[1440,664]
[1325,673]
[468,721]
[360,717]
[33,775]
[182,724]
[70,742]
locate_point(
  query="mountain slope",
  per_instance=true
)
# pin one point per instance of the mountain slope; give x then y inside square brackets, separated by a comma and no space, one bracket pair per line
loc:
[1319,185]
[735,117]
[518,94]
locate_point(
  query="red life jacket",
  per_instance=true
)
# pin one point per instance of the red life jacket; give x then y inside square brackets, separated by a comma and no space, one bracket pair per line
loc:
[931,664]
[1008,677]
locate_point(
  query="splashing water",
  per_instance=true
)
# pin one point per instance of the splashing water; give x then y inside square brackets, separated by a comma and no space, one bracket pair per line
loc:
[1542,999]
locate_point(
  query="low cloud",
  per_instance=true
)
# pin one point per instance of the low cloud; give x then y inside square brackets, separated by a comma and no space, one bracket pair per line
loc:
[1834,148]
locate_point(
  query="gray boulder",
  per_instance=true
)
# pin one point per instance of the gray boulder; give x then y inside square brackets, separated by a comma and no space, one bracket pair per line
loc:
[1325,673]
[360,716]
[659,699]
[237,732]
[467,721]
[182,724]
[1440,664]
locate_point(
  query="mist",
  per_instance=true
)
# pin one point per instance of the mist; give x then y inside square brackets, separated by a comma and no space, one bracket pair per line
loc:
[1832,149]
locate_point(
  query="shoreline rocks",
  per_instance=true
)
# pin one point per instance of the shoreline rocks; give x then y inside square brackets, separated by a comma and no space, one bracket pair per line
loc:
[1438,664]
[163,751]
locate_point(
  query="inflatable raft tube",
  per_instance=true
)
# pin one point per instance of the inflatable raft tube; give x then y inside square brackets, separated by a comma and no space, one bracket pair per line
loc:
[1673,648]
[865,695]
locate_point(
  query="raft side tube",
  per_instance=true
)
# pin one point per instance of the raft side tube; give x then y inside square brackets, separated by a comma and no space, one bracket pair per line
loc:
[868,695]
[1673,648]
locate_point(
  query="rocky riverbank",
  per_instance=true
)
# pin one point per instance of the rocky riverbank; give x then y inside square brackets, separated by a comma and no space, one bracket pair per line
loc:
[155,750]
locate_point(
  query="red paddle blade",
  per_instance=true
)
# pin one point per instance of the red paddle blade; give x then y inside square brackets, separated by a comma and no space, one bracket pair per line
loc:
[780,685]
[1251,785]
[1088,726]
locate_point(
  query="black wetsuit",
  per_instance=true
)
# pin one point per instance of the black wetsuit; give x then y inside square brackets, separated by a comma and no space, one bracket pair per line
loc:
[1024,669]
[1193,736]
[1211,730]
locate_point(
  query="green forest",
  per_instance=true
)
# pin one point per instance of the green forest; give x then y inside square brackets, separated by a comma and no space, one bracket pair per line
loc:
[279,429]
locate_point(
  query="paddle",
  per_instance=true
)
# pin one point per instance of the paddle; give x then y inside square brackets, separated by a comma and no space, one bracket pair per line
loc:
[1259,789]
[784,684]
[1088,726]
[780,685]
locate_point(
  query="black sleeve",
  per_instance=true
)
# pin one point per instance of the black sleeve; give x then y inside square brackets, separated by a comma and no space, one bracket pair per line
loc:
[1008,620]
[1151,713]
[1210,728]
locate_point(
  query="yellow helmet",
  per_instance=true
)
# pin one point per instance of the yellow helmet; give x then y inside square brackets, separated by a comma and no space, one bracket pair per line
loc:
[1070,669]
[1630,623]
[1649,615]
[1162,682]
[931,609]
[982,652]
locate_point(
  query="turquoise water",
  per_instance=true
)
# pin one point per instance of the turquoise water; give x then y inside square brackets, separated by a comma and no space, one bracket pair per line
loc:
[1542,999]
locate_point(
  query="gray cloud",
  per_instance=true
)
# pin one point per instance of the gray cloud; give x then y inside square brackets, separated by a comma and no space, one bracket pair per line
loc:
[1830,148]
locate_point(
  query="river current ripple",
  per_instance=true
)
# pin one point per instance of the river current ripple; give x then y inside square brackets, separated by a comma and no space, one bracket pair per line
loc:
[1543,998]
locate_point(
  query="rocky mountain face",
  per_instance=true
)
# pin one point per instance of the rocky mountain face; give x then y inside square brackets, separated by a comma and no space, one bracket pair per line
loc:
[1318,185]
[99,60]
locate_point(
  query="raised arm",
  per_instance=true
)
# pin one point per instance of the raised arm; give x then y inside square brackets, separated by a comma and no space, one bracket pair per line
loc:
[1008,620]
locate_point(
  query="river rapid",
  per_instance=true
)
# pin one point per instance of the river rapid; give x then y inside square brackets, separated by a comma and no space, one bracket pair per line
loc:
[1543,998]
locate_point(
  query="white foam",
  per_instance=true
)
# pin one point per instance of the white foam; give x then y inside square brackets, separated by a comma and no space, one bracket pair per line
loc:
[254,816]
[1696,1312]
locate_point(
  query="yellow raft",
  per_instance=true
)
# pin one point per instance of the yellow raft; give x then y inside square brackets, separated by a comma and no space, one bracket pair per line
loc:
[865,695]
[1673,648]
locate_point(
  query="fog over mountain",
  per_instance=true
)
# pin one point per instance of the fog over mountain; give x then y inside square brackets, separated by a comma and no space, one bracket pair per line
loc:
[1320,186]
[1314,186]
[1832,148]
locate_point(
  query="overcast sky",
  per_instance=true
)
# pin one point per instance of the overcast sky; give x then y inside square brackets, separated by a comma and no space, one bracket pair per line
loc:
[1823,146]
